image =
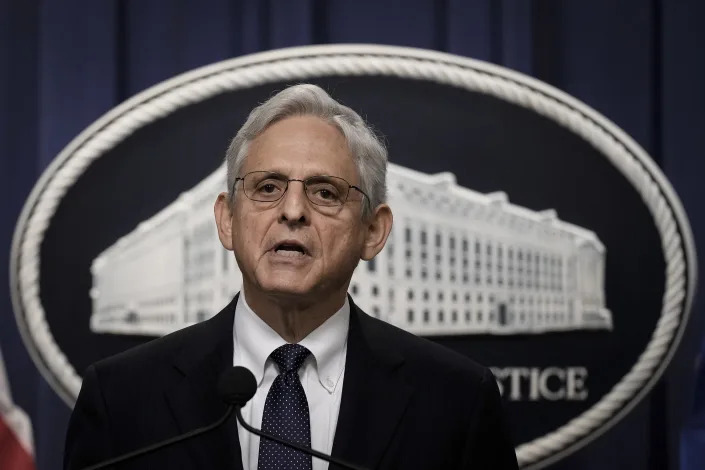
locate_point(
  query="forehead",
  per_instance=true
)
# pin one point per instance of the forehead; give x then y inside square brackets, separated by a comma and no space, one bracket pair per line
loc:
[301,146]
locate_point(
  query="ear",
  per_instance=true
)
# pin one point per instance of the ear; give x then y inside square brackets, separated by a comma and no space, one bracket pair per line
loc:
[378,227]
[224,220]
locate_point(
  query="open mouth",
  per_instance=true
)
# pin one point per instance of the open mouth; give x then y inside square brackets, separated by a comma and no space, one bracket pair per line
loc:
[290,249]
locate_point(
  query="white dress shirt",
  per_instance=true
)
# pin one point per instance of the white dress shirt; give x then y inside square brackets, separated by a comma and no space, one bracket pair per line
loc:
[321,375]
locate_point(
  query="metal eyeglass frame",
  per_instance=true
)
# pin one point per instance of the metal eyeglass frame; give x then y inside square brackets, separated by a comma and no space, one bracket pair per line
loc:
[289,180]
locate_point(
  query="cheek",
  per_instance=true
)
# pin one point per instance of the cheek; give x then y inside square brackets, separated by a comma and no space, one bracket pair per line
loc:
[248,233]
[341,243]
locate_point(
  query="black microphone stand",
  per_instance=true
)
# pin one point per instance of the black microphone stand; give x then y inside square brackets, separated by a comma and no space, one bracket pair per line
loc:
[304,449]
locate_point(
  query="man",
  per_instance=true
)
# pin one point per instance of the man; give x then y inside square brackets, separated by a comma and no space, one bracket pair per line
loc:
[306,196]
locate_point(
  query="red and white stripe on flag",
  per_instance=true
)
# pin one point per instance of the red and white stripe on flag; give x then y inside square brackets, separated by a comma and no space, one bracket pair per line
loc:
[16,445]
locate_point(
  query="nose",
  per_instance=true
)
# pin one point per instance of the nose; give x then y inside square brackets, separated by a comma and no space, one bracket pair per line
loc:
[294,207]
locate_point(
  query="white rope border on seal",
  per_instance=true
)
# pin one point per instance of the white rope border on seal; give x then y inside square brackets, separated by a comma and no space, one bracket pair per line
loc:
[309,62]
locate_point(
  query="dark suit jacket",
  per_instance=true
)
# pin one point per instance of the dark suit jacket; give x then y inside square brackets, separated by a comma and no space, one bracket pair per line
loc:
[407,403]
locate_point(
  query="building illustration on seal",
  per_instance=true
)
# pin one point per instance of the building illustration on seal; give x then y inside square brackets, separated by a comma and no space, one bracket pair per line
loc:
[457,262]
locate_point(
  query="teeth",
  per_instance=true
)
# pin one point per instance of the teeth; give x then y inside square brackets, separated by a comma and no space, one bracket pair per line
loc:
[289,248]
[289,253]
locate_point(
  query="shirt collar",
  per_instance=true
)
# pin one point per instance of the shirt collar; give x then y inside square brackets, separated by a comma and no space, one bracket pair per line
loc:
[256,341]
[328,345]
[253,339]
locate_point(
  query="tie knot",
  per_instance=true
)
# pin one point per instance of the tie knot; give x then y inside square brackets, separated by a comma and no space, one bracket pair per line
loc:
[290,357]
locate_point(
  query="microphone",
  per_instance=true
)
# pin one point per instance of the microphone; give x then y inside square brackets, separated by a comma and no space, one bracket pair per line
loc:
[237,386]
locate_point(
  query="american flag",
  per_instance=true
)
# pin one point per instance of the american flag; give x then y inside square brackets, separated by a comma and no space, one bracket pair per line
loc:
[16,445]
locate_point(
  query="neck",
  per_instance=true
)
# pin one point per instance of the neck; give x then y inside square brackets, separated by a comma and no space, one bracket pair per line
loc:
[292,317]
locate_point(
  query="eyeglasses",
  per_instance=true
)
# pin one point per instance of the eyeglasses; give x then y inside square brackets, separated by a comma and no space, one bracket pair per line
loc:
[323,190]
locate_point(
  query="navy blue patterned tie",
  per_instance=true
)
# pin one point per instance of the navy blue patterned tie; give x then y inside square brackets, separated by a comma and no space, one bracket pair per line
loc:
[286,413]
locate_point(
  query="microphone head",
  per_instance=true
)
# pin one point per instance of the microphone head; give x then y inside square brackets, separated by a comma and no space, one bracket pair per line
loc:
[237,385]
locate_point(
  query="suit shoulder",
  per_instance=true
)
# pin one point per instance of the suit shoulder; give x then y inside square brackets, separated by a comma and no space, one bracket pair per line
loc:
[421,353]
[159,350]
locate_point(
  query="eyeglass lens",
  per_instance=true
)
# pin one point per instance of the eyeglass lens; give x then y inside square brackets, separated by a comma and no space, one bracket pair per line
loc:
[265,186]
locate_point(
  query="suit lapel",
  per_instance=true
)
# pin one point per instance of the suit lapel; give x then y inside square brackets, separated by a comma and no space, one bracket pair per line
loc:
[375,395]
[193,399]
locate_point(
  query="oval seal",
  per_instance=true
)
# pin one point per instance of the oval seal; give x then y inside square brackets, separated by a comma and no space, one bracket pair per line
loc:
[530,232]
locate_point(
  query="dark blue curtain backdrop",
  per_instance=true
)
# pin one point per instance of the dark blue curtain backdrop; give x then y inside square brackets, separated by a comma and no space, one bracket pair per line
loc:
[639,62]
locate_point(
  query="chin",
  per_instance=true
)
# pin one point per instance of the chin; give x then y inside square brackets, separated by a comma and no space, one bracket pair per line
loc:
[287,288]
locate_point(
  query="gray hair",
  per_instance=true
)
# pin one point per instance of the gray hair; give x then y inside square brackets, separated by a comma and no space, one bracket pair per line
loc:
[368,151]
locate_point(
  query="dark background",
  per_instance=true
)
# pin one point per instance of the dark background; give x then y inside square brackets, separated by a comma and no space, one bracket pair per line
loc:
[487,143]
[63,64]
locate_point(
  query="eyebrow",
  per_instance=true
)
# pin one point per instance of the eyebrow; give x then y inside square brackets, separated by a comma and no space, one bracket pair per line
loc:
[308,175]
